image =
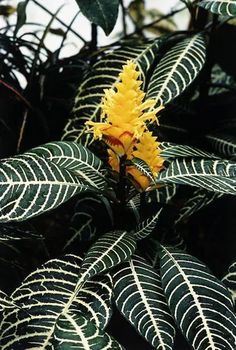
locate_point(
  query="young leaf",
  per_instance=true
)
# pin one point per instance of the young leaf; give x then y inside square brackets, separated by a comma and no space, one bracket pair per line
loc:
[100,12]
[201,305]
[139,297]
[145,228]
[220,7]
[74,331]
[108,251]
[44,296]
[213,175]
[177,69]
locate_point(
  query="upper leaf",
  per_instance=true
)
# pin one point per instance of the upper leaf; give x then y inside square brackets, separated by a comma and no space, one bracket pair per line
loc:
[177,69]
[213,175]
[100,12]
[173,150]
[220,7]
[200,304]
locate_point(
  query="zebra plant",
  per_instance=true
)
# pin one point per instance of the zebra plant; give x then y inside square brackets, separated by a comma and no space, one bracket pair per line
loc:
[97,225]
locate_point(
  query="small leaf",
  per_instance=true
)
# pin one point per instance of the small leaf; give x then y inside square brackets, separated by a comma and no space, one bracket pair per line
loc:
[220,7]
[21,15]
[145,228]
[100,12]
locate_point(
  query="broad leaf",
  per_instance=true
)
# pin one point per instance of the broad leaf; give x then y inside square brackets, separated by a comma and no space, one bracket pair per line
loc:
[199,199]
[177,69]
[211,174]
[220,7]
[229,281]
[6,302]
[139,297]
[100,12]
[103,75]
[74,331]
[201,305]
[146,227]
[173,150]
[75,158]
[108,251]
[162,194]
[223,144]
[44,296]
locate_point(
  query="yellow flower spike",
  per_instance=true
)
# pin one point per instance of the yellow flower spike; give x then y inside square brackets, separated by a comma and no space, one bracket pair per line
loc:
[123,111]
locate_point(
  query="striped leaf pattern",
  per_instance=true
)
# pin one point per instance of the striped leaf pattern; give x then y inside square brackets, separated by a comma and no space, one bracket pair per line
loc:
[103,75]
[177,69]
[142,166]
[200,199]
[74,331]
[200,304]
[75,158]
[220,81]
[146,227]
[139,297]
[229,281]
[211,174]
[48,293]
[108,251]
[173,150]
[31,185]
[223,144]
[18,232]
[220,7]
[163,194]
[6,302]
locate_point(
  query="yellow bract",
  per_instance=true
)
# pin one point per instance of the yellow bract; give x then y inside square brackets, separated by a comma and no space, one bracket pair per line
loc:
[123,126]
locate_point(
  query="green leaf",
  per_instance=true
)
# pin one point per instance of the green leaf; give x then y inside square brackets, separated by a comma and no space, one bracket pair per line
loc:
[173,150]
[220,81]
[224,144]
[142,166]
[6,301]
[45,295]
[104,75]
[213,175]
[139,297]
[146,227]
[199,302]
[199,199]
[220,7]
[229,281]
[163,194]
[177,69]
[100,12]
[108,251]
[74,331]
[75,158]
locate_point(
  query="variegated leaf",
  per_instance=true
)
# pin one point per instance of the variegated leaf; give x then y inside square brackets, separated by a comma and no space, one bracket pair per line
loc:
[220,7]
[146,227]
[213,175]
[75,158]
[229,281]
[45,295]
[108,251]
[139,297]
[223,144]
[177,69]
[173,150]
[199,302]
[200,199]
[6,301]
[103,75]
[74,331]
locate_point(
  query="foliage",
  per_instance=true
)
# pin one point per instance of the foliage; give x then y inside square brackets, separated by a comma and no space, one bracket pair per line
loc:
[102,204]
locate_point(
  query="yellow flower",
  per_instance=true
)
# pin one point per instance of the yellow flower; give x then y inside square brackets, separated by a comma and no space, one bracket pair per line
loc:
[123,111]
[147,149]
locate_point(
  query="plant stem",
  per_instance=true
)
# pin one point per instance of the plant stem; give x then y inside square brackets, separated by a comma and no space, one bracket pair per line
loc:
[94,36]
[123,17]
[122,181]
